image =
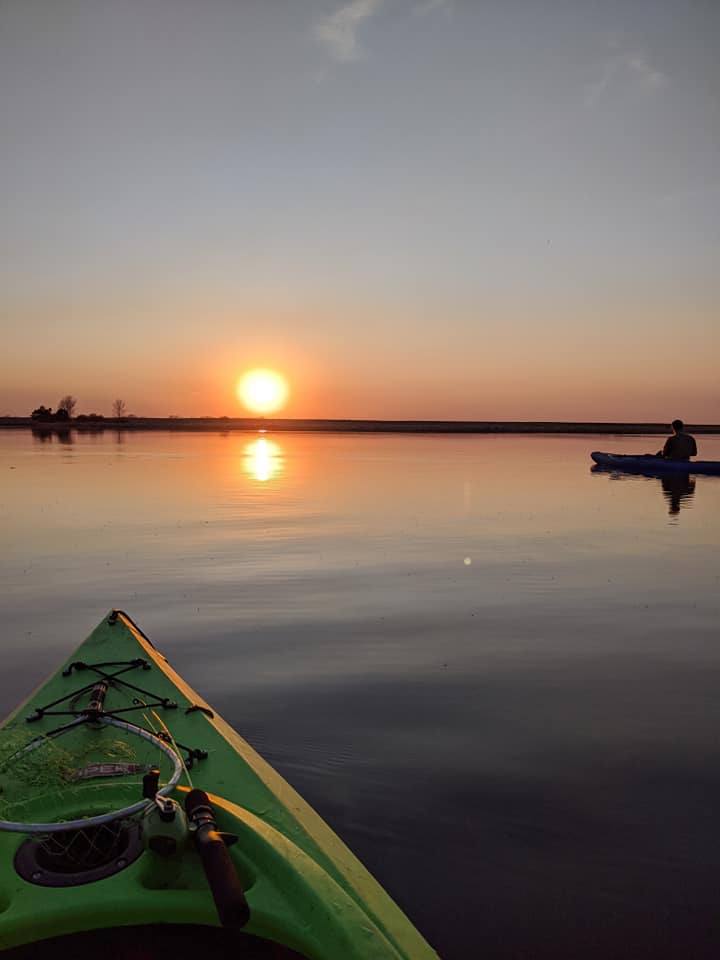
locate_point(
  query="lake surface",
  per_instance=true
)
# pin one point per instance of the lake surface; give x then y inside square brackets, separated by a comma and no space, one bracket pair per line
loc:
[494,671]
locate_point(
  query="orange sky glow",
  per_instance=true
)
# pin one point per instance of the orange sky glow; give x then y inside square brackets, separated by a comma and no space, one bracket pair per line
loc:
[551,367]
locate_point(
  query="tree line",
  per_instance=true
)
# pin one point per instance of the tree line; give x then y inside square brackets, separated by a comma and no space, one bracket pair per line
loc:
[66,411]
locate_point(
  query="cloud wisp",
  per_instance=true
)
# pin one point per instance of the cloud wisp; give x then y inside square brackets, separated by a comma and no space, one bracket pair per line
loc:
[625,70]
[338,31]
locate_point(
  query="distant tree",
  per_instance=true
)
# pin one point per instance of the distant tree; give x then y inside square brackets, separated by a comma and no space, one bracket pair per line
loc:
[68,403]
[42,413]
[118,408]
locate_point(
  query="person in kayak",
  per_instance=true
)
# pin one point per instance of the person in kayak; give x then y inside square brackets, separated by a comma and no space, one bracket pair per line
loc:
[680,446]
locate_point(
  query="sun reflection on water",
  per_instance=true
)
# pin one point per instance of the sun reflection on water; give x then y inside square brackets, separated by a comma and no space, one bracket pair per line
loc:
[263,459]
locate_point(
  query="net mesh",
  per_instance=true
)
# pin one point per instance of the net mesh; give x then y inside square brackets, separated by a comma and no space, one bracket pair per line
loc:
[83,772]
[74,851]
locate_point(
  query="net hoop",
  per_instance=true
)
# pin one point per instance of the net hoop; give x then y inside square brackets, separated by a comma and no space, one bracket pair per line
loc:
[12,826]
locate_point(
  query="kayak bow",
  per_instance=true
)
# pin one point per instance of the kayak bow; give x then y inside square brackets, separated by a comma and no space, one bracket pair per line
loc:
[120,804]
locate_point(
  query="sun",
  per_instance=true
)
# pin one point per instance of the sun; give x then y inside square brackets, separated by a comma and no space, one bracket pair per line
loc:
[262,391]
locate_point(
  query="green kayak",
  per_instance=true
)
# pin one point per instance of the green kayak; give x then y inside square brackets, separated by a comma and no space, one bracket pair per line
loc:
[135,821]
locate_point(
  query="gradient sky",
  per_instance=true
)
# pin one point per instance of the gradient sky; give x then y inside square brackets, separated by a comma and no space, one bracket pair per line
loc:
[412,208]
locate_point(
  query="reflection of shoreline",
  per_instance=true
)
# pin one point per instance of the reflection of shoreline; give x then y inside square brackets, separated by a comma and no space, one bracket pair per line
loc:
[46,434]
[678,489]
[358,426]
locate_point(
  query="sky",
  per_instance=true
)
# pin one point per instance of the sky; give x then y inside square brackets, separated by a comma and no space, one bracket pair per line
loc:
[422,209]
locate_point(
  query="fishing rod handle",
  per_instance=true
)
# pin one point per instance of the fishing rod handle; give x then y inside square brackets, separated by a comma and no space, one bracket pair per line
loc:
[222,876]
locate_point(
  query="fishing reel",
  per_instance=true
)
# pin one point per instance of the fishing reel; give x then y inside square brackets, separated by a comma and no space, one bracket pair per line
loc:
[165,825]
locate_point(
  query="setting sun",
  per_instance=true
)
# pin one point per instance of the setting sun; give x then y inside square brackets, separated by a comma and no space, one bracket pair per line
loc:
[262,391]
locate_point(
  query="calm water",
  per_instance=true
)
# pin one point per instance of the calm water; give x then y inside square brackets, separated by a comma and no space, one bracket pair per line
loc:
[493,671]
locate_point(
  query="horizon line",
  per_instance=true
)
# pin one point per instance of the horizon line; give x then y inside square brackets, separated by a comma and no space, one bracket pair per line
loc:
[349,424]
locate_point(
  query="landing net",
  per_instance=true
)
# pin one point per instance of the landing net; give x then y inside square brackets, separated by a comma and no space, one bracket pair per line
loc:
[81,768]
[92,768]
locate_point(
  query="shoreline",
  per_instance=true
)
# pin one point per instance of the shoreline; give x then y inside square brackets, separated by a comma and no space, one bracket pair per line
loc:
[255,424]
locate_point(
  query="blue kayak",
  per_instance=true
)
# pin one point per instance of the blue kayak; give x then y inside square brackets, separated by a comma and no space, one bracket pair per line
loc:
[645,463]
